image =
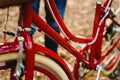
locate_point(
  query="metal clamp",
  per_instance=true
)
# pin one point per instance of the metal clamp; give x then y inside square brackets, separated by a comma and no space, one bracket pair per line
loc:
[24,29]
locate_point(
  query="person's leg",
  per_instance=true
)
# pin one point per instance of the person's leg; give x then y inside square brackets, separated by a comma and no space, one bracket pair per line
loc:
[36,5]
[49,43]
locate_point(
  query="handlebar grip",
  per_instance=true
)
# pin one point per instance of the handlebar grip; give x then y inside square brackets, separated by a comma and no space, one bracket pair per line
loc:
[9,33]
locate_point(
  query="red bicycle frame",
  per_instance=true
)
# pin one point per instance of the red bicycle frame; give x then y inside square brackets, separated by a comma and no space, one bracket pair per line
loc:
[94,43]
[25,22]
[62,41]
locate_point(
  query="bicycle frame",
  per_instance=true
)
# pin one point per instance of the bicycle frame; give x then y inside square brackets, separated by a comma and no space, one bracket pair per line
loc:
[64,42]
[25,22]
[94,43]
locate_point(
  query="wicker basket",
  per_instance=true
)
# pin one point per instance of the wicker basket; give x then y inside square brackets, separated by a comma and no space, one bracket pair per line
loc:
[6,3]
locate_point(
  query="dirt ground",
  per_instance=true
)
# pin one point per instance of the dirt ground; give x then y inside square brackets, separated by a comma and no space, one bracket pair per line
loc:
[78,17]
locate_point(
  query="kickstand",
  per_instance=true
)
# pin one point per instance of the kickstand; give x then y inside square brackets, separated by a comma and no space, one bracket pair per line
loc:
[99,68]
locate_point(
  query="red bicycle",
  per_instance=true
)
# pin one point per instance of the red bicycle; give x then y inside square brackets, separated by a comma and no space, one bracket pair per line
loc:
[25,56]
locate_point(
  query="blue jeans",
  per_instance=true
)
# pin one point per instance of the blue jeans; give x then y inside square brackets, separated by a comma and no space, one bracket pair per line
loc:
[61,5]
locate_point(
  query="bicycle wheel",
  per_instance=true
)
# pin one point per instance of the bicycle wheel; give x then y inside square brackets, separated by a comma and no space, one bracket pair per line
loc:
[112,34]
[42,61]
[112,60]
[112,67]
[43,64]
[111,64]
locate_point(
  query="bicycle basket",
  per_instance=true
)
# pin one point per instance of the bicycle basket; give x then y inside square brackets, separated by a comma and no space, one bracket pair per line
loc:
[6,3]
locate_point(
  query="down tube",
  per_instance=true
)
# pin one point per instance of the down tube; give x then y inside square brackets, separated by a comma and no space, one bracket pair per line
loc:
[41,24]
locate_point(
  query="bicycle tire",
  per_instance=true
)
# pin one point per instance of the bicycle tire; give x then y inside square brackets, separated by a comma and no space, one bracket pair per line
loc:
[55,67]
[112,60]
[112,37]
[41,61]
[107,71]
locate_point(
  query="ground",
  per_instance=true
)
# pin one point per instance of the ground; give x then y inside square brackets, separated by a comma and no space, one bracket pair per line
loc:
[78,18]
